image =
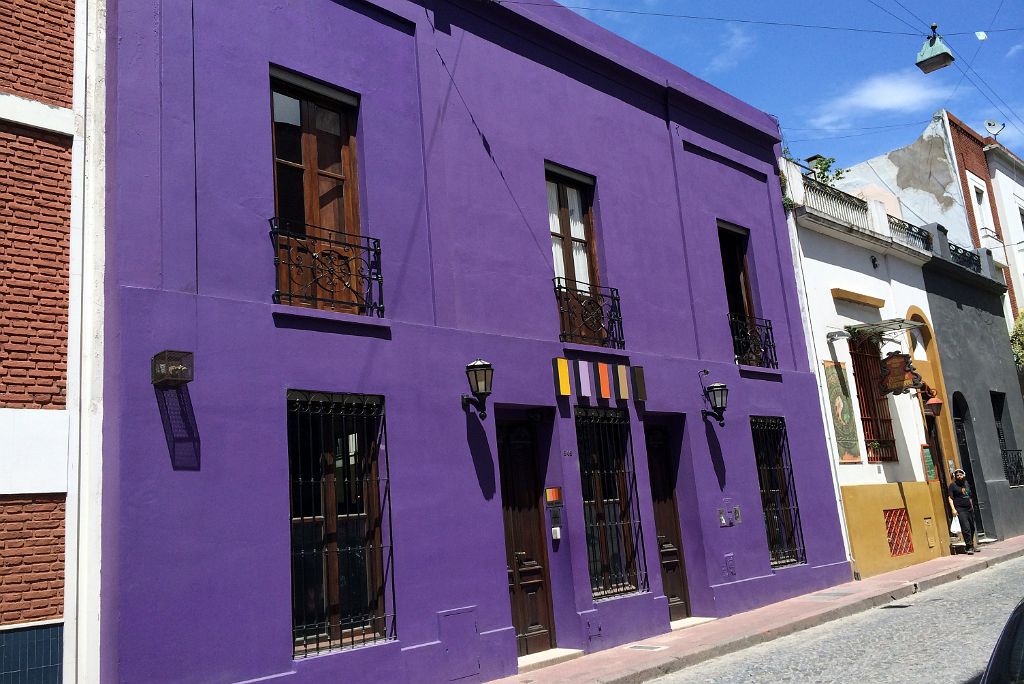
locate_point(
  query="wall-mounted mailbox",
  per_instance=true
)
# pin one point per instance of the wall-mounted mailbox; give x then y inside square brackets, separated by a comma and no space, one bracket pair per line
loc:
[172,368]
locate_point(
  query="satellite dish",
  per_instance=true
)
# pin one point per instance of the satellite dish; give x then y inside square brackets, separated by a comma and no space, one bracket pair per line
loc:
[994,127]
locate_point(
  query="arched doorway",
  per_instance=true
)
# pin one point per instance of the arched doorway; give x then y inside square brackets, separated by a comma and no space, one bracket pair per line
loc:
[963,430]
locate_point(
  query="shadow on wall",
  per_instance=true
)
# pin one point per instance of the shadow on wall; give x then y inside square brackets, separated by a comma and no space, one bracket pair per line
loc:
[180,429]
[483,460]
[715,447]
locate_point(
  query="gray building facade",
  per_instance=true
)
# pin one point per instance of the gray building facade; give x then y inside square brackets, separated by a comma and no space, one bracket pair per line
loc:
[965,290]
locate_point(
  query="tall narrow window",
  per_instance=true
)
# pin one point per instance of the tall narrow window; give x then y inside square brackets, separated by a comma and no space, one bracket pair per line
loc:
[874,407]
[778,491]
[342,592]
[753,339]
[1013,463]
[588,313]
[322,260]
[614,537]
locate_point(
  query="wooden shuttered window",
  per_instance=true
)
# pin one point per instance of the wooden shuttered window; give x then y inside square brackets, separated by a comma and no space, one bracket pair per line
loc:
[874,406]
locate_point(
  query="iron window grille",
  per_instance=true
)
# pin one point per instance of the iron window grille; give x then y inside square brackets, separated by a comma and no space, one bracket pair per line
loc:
[615,548]
[897,528]
[589,314]
[753,341]
[874,406]
[1013,467]
[342,562]
[326,269]
[778,491]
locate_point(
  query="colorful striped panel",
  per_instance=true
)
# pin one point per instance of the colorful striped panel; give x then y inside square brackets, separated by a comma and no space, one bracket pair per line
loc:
[639,384]
[621,375]
[562,381]
[606,391]
[583,385]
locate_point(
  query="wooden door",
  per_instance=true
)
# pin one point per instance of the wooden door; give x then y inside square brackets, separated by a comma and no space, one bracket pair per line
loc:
[525,537]
[968,465]
[666,522]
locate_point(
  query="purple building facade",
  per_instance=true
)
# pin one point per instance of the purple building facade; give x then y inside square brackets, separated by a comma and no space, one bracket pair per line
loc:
[489,149]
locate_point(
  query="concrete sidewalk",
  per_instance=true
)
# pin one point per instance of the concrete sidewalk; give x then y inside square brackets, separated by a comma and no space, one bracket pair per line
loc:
[676,650]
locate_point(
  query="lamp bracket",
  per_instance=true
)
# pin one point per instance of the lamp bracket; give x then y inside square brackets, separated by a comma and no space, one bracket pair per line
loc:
[480,403]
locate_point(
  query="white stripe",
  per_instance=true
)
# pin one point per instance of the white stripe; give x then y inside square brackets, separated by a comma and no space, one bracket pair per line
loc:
[27,112]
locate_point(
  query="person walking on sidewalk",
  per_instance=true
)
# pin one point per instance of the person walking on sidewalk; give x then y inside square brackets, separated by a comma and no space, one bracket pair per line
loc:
[962,507]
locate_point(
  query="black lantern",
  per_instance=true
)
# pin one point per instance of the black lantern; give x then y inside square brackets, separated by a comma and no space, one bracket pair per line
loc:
[172,368]
[480,375]
[716,395]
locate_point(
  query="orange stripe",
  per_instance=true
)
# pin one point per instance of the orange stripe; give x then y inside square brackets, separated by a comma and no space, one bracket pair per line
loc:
[606,392]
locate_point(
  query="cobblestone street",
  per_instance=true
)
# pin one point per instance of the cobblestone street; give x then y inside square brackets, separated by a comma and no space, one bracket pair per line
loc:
[942,635]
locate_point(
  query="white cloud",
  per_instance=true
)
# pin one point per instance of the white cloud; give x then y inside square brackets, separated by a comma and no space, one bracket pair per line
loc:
[736,43]
[905,91]
[1019,47]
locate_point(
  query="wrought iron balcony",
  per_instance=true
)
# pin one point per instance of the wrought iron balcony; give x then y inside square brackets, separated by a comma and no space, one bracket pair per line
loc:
[965,257]
[325,269]
[1013,467]
[589,314]
[909,234]
[753,341]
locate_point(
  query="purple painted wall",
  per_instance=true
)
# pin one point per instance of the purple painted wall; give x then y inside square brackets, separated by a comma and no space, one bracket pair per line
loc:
[196,563]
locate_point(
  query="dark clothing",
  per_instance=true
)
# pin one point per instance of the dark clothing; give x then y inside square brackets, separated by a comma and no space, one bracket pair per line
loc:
[966,517]
[961,495]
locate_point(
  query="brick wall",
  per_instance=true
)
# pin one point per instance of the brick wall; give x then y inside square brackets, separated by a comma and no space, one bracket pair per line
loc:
[37,49]
[31,557]
[35,211]
[969,148]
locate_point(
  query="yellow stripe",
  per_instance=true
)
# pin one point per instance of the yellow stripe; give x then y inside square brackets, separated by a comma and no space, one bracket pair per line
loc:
[563,377]
[623,373]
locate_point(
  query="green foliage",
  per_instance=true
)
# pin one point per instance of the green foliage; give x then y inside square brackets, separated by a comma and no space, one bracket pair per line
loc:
[1017,340]
[822,171]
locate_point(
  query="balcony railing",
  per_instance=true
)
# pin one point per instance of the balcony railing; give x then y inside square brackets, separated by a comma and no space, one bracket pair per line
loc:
[1013,467]
[753,341]
[326,269]
[909,234]
[589,314]
[836,203]
[965,257]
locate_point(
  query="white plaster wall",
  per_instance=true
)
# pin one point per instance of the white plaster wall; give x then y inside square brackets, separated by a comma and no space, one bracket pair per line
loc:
[34,455]
[923,178]
[831,263]
[1008,191]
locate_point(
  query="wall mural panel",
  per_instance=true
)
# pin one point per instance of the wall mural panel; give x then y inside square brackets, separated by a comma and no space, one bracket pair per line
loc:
[842,412]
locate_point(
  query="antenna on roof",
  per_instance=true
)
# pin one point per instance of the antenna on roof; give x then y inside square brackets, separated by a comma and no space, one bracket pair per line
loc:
[994,127]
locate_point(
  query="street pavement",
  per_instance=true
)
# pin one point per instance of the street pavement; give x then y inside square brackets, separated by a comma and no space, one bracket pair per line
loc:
[944,634]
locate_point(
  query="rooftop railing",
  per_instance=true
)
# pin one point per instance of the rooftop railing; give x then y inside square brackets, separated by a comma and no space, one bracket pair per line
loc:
[836,203]
[965,257]
[909,234]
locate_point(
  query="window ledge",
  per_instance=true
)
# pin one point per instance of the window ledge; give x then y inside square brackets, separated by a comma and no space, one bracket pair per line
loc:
[594,349]
[759,370]
[286,311]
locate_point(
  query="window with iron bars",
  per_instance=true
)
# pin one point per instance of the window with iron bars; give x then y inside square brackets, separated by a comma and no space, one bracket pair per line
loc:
[778,491]
[897,528]
[874,406]
[615,549]
[342,571]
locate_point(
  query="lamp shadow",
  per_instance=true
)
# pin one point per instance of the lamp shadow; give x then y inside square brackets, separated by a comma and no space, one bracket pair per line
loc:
[180,429]
[483,460]
[715,447]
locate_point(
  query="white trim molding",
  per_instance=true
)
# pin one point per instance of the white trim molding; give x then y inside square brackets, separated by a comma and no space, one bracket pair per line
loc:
[27,112]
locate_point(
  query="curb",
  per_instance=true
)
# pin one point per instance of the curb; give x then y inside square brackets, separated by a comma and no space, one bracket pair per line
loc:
[672,664]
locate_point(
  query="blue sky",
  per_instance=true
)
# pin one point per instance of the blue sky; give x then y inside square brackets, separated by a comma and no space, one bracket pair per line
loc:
[842,94]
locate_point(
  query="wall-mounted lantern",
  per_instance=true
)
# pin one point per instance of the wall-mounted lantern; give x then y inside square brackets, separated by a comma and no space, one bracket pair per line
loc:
[716,395]
[836,335]
[934,54]
[480,375]
[172,368]
[933,407]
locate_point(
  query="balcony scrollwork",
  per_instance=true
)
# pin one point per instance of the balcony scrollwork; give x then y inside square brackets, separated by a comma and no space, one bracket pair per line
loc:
[589,314]
[326,269]
[753,341]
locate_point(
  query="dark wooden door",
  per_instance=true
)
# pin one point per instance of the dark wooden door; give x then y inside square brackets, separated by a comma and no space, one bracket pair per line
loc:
[666,522]
[525,537]
[968,465]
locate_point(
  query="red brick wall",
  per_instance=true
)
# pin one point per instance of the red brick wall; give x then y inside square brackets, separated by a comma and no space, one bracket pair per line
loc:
[31,557]
[37,49]
[35,211]
[968,147]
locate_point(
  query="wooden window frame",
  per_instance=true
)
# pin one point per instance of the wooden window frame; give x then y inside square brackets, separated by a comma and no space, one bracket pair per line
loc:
[586,192]
[876,420]
[736,233]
